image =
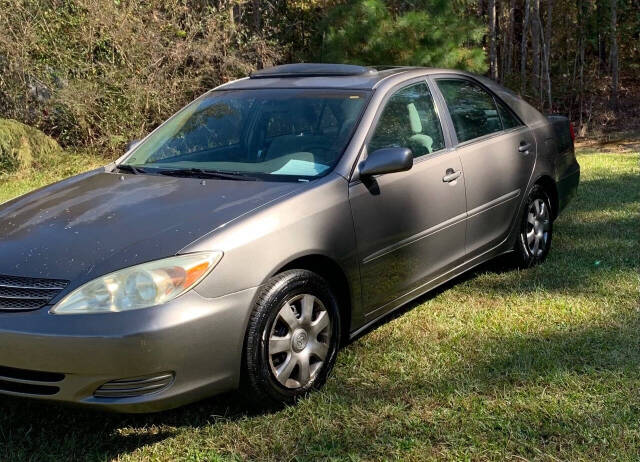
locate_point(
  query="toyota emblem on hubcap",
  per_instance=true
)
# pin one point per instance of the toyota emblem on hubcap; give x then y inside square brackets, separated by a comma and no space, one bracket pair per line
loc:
[300,339]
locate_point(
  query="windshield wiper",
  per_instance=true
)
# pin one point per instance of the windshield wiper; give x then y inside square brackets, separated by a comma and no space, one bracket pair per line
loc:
[202,173]
[130,169]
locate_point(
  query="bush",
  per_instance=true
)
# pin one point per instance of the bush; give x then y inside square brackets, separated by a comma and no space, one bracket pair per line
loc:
[23,147]
[98,73]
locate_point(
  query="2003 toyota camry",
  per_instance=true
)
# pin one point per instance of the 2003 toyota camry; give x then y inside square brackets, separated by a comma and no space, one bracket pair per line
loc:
[265,224]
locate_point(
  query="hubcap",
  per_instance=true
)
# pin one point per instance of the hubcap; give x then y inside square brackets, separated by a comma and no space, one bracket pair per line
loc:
[299,341]
[537,227]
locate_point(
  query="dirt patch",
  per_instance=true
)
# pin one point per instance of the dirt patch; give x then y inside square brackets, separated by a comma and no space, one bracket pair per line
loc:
[617,142]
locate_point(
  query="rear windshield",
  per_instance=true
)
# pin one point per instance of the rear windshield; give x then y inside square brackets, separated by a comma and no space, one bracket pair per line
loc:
[284,133]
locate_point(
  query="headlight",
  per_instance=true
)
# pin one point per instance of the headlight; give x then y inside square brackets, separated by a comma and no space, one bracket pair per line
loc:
[140,286]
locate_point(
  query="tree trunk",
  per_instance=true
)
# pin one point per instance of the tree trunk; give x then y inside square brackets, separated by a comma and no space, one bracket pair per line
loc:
[614,54]
[545,65]
[602,39]
[510,37]
[535,47]
[499,45]
[523,48]
[581,11]
[549,27]
[493,54]
[257,16]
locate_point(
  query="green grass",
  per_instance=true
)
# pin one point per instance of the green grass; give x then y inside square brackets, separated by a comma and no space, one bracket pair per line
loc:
[542,364]
[70,163]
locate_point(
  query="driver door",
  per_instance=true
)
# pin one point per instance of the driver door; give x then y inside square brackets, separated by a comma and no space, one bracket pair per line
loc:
[410,226]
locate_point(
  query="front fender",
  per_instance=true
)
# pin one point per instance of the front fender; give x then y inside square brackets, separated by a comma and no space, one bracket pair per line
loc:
[315,221]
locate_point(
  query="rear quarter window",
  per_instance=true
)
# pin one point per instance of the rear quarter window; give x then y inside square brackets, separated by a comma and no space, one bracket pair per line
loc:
[509,120]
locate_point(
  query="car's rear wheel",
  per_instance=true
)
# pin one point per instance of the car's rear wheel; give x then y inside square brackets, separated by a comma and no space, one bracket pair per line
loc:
[292,338]
[536,229]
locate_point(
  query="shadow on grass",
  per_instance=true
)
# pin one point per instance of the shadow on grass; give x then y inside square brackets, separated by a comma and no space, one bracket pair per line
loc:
[590,253]
[591,256]
[66,432]
[493,364]
[37,430]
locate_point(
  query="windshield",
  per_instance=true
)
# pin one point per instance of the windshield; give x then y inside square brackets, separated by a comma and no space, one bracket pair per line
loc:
[275,133]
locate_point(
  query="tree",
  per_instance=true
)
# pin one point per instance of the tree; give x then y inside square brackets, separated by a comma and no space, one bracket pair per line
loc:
[548,32]
[509,38]
[257,16]
[549,27]
[545,63]
[523,47]
[493,54]
[535,46]
[582,9]
[430,33]
[614,55]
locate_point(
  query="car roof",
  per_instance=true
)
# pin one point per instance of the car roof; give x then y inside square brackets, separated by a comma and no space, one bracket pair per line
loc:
[353,77]
[322,75]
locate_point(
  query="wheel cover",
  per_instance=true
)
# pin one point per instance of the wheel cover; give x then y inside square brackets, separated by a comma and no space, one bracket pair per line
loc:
[299,341]
[537,227]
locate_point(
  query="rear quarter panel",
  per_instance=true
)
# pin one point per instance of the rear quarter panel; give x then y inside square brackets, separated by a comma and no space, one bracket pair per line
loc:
[556,155]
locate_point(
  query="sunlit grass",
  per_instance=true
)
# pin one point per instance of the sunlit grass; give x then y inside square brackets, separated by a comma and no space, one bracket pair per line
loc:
[500,364]
[71,164]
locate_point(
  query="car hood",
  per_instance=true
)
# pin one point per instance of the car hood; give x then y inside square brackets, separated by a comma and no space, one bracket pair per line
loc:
[99,221]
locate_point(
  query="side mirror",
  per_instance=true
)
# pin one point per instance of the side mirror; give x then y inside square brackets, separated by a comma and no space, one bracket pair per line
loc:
[132,144]
[387,160]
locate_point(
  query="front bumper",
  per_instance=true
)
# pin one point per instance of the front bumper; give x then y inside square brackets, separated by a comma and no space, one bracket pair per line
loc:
[197,340]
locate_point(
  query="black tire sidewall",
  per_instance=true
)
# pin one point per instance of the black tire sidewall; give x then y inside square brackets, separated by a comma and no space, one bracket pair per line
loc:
[525,257]
[280,289]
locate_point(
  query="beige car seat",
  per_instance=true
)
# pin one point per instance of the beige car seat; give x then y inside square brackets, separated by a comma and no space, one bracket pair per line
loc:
[416,128]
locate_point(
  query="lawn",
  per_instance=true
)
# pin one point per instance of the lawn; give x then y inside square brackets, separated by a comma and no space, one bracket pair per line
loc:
[542,364]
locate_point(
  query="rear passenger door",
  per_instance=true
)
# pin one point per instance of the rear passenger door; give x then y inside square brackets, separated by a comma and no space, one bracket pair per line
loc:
[498,154]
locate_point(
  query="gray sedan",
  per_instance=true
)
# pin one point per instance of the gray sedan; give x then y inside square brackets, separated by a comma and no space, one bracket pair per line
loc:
[264,225]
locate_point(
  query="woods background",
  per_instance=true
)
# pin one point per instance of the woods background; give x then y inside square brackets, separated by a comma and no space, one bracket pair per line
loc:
[95,74]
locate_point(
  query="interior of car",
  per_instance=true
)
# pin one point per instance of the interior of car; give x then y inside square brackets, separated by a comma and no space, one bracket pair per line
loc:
[278,135]
[410,120]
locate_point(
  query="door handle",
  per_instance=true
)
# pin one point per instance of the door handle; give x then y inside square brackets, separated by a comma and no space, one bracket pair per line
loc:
[524,148]
[451,175]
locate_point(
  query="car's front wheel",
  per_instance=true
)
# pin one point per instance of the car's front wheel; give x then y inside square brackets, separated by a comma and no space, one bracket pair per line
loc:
[536,229]
[292,338]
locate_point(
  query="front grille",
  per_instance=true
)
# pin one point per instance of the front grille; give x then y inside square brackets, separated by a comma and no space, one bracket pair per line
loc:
[27,382]
[26,294]
[138,386]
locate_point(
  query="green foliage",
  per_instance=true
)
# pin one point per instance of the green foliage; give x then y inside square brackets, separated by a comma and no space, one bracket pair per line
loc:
[432,33]
[96,73]
[23,147]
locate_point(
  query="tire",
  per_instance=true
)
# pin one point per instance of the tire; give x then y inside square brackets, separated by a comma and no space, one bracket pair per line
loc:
[292,338]
[535,230]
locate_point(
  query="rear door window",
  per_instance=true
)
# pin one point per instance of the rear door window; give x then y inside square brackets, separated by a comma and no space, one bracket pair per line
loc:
[473,110]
